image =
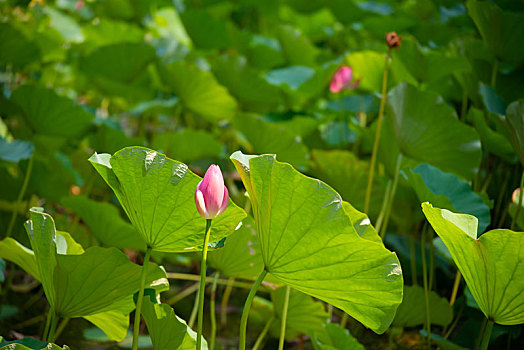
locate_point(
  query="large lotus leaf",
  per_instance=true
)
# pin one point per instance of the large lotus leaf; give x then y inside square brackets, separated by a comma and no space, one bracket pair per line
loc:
[240,257]
[113,323]
[188,145]
[206,31]
[515,124]
[334,337]
[107,32]
[412,311]
[427,129]
[309,242]
[25,258]
[348,175]
[502,31]
[361,223]
[100,279]
[296,47]
[16,48]
[368,66]
[447,191]
[492,265]
[264,52]
[50,114]
[246,84]
[199,91]
[109,139]
[16,150]
[261,136]
[105,223]
[166,329]
[304,315]
[157,194]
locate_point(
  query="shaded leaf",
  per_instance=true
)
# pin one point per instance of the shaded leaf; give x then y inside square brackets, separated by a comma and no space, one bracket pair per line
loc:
[412,311]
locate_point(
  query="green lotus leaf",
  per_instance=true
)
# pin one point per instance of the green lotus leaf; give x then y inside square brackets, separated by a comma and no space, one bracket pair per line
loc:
[199,91]
[166,329]
[240,257]
[16,150]
[296,46]
[206,31]
[515,124]
[309,242]
[157,194]
[105,223]
[50,114]
[447,191]
[492,264]
[28,343]
[114,323]
[334,337]
[427,129]
[412,311]
[502,31]
[188,145]
[16,48]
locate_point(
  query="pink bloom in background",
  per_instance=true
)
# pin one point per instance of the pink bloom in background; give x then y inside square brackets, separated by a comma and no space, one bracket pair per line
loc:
[342,80]
[516,195]
[211,195]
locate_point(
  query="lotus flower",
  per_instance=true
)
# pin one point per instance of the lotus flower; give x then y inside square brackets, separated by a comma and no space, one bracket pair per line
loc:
[342,80]
[211,195]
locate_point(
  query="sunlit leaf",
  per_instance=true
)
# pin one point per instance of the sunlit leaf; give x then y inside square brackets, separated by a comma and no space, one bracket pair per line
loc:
[334,337]
[308,242]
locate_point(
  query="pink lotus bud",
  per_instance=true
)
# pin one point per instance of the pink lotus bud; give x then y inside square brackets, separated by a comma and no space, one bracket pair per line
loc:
[342,80]
[211,195]
[515,197]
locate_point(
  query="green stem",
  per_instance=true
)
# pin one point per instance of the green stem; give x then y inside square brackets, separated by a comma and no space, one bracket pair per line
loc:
[494,72]
[50,314]
[481,334]
[212,313]
[202,285]
[184,293]
[413,260]
[448,332]
[384,207]
[425,281]
[225,301]
[487,335]
[194,311]
[344,320]
[453,297]
[431,260]
[391,196]
[61,327]
[284,319]
[220,281]
[247,307]
[52,328]
[262,335]
[517,212]
[136,327]
[377,134]
[20,196]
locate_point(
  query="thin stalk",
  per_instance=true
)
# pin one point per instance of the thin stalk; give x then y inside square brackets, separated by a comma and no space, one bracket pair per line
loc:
[344,320]
[284,319]
[362,123]
[481,334]
[194,311]
[184,293]
[425,281]
[136,326]
[49,317]
[220,281]
[52,329]
[431,283]
[28,322]
[384,207]
[500,198]
[330,312]
[453,297]
[262,334]
[225,301]
[378,133]
[391,196]
[448,332]
[20,196]
[413,260]
[517,212]
[494,72]
[247,307]
[61,327]
[212,313]
[202,285]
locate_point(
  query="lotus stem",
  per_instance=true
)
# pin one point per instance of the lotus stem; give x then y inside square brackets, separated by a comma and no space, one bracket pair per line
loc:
[247,307]
[262,334]
[61,327]
[202,285]
[184,293]
[487,335]
[212,313]
[425,281]
[413,260]
[284,319]
[391,197]
[52,328]
[521,194]
[225,301]
[49,317]
[344,320]
[136,325]
[20,197]
[377,134]
[453,297]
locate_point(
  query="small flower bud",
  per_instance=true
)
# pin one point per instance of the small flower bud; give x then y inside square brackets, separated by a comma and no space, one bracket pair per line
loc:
[393,40]
[342,80]
[211,195]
